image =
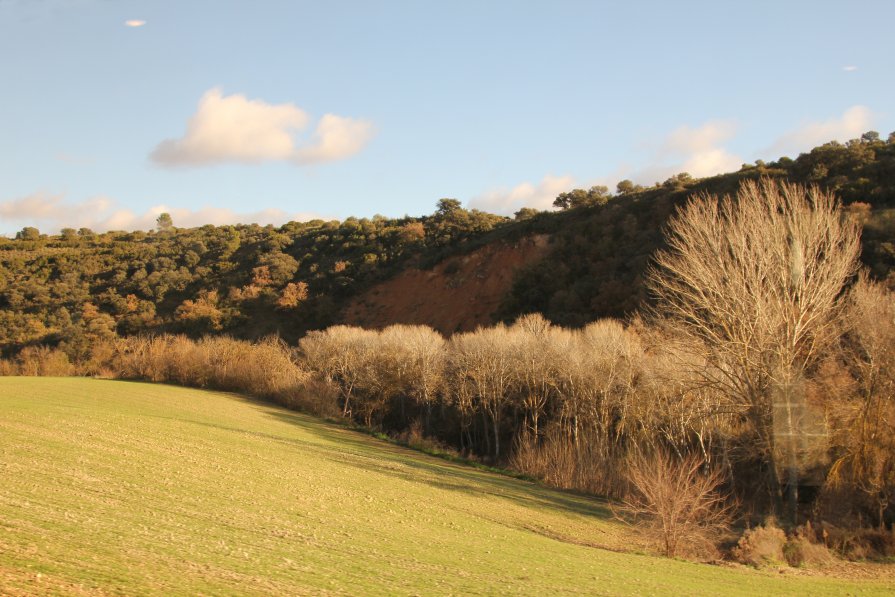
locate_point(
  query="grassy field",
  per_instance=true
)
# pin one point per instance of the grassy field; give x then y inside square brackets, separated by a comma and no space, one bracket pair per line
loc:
[116,487]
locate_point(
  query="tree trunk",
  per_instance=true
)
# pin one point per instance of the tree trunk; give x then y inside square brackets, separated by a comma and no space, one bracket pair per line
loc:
[496,424]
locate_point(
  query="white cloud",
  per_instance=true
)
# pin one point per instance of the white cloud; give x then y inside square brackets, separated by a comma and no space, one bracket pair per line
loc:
[336,138]
[698,151]
[134,23]
[709,162]
[50,213]
[235,129]
[41,208]
[685,140]
[852,124]
[850,68]
[538,196]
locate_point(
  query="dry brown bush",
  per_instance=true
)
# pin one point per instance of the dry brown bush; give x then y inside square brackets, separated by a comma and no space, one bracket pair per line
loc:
[556,461]
[678,502]
[761,546]
[415,437]
[43,360]
[857,543]
[316,396]
[265,369]
[99,359]
[801,552]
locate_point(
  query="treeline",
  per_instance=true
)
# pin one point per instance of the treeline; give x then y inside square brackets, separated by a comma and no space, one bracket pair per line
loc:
[250,281]
[76,288]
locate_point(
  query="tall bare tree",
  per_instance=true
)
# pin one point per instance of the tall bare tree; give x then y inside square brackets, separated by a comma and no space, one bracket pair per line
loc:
[534,364]
[866,420]
[342,354]
[413,357]
[484,360]
[755,283]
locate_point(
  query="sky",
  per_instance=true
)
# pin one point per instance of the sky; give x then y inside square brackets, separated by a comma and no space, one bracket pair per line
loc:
[113,111]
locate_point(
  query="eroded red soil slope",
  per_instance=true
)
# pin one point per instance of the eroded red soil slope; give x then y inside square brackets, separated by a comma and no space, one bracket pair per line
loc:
[458,294]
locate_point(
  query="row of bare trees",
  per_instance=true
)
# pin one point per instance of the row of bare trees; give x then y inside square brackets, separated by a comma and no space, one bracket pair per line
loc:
[524,374]
[764,353]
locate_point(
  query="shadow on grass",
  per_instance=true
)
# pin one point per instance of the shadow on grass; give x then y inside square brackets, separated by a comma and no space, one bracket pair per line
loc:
[369,454]
[358,449]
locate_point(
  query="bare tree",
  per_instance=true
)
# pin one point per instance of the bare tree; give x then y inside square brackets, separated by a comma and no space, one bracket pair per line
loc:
[426,369]
[755,283]
[341,353]
[613,354]
[675,409]
[867,419]
[534,364]
[408,363]
[484,361]
[677,501]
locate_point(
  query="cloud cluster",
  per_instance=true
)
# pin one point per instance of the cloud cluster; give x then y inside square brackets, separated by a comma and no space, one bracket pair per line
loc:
[537,195]
[235,129]
[700,151]
[134,23]
[50,213]
[854,122]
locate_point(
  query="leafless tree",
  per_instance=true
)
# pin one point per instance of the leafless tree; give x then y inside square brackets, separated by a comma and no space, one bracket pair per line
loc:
[341,353]
[484,359]
[678,501]
[866,421]
[534,364]
[613,355]
[425,369]
[755,283]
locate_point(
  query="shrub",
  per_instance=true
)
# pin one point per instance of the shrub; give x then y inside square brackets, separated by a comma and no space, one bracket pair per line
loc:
[265,369]
[800,551]
[858,543]
[677,501]
[761,546]
[42,360]
[557,462]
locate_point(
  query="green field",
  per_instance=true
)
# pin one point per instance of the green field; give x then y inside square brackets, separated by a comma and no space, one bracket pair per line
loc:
[131,488]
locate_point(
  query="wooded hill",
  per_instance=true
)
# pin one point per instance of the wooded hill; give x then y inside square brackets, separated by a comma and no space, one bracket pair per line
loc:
[250,281]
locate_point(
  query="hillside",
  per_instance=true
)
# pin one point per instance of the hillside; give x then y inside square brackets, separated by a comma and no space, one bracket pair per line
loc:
[115,487]
[452,270]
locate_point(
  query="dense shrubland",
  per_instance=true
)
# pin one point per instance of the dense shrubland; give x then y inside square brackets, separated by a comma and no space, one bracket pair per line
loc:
[247,281]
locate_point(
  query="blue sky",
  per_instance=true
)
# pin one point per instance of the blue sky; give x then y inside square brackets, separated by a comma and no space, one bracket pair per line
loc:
[265,111]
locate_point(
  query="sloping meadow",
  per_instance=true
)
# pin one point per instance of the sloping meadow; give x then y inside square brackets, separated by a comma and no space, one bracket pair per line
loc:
[122,487]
